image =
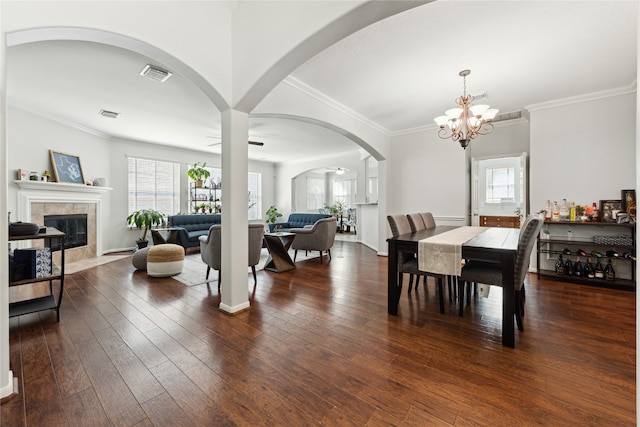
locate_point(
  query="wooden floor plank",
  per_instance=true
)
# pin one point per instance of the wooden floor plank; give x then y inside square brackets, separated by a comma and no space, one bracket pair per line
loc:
[318,347]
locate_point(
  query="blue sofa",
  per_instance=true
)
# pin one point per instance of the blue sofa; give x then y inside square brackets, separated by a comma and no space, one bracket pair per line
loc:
[190,227]
[298,220]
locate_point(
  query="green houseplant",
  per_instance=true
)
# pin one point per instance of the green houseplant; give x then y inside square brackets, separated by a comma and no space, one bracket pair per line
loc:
[145,219]
[198,173]
[272,215]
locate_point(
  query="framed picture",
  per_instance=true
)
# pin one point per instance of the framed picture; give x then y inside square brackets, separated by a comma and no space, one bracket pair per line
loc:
[609,210]
[66,168]
[629,202]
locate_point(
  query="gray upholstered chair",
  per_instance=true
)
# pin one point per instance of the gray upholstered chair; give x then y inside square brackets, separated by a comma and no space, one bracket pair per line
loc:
[428,220]
[210,248]
[415,222]
[408,261]
[319,237]
[491,273]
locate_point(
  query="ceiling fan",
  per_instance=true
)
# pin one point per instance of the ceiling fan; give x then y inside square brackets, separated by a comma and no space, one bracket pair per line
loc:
[250,142]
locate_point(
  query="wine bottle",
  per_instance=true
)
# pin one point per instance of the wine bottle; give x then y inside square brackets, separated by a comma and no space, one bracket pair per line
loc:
[609,272]
[596,254]
[629,255]
[577,268]
[548,210]
[612,254]
[598,271]
[566,251]
[555,213]
[581,252]
[572,211]
[588,270]
[595,215]
[564,211]
[568,267]
[559,266]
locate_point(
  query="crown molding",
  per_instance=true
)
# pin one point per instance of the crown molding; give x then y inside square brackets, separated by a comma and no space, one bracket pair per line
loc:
[327,100]
[594,96]
[12,102]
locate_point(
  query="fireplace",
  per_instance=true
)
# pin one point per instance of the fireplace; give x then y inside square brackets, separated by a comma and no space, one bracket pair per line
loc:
[74,226]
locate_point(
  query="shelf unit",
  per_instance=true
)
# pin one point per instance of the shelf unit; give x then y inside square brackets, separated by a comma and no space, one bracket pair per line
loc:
[208,195]
[47,302]
[555,236]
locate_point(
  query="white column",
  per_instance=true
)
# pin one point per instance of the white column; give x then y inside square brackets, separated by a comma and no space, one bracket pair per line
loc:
[6,376]
[383,177]
[235,216]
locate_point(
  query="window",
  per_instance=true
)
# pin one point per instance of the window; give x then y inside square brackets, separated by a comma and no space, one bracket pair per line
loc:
[344,192]
[500,185]
[154,184]
[254,195]
[315,194]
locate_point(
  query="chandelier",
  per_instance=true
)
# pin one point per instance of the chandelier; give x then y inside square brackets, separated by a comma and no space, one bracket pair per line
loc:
[467,121]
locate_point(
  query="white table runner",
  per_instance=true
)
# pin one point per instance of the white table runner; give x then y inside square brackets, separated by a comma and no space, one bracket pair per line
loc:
[442,254]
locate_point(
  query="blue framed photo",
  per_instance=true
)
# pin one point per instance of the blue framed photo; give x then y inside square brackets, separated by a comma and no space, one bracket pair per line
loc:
[66,168]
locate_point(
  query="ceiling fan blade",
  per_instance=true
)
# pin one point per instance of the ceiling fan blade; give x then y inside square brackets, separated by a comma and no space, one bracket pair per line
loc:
[257,143]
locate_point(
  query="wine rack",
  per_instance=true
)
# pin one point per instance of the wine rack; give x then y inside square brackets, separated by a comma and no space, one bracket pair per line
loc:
[556,237]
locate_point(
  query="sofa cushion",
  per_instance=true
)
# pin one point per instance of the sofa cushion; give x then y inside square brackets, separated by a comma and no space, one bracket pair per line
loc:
[298,220]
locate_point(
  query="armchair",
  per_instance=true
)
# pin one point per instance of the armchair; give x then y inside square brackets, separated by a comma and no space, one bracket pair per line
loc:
[319,237]
[210,248]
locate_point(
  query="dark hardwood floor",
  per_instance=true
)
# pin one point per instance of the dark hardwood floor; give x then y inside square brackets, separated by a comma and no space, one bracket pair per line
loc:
[318,348]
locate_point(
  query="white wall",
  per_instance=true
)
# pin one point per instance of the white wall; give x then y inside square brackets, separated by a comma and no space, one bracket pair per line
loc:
[584,152]
[31,136]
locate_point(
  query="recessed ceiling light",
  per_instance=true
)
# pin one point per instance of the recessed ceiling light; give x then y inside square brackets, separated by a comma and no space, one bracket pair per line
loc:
[155,73]
[110,114]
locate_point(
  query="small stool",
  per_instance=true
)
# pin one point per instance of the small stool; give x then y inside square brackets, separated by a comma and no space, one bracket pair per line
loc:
[165,260]
[139,258]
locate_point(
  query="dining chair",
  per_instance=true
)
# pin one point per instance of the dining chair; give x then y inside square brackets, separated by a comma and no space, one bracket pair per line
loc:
[491,273]
[211,250]
[408,261]
[415,222]
[428,220]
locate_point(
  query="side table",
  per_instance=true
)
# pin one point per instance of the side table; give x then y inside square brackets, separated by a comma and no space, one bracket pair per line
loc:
[278,245]
[161,236]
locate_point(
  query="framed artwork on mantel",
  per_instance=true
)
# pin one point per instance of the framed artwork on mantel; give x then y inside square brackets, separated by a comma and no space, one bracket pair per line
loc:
[66,168]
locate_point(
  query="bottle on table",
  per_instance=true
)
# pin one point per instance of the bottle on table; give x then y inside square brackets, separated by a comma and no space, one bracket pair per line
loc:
[559,266]
[548,210]
[572,211]
[555,212]
[564,211]
[568,266]
[577,268]
[595,216]
[588,270]
[609,272]
[598,270]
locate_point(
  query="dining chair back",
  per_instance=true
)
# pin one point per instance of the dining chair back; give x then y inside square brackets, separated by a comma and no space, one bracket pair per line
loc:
[399,224]
[415,222]
[428,220]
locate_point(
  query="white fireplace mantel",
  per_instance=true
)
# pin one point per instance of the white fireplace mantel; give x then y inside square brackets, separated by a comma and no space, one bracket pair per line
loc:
[60,186]
[53,192]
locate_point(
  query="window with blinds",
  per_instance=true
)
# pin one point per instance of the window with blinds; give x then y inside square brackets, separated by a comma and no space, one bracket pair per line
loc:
[344,191]
[315,193]
[154,184]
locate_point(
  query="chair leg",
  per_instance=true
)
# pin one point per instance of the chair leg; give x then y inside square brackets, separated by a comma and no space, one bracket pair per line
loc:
[295,254]
[208,270]
[253,270]
[219,278]
[329,252]
[441,294]
[461,286]
[320,257]
[518,310]
[410,283]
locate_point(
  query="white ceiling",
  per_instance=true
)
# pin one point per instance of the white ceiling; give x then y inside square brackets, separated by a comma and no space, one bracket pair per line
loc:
[399,73]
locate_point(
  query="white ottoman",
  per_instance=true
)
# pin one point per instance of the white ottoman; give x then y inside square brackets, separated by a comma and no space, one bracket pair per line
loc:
[165,260]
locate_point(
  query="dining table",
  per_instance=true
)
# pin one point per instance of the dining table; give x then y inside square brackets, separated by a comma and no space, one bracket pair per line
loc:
[491,244]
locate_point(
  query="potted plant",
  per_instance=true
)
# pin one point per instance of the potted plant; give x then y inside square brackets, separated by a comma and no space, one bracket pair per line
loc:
[145,219]
[272,215]
[198,173]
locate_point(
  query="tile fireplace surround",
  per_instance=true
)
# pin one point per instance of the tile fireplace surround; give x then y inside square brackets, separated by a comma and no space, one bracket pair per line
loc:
[35,199]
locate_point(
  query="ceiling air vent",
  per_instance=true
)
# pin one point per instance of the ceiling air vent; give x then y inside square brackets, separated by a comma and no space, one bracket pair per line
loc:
[155,73]
[507,116]
[110,114]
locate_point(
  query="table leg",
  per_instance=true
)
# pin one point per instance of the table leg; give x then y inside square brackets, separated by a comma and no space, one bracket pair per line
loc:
[392,277]
[508,301]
